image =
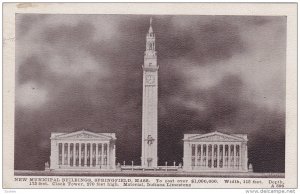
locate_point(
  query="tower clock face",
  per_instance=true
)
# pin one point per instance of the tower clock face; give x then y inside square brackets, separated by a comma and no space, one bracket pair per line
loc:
[150,79]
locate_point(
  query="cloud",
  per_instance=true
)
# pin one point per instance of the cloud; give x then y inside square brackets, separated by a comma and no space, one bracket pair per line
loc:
[33,96]
[79,65]
[260,86]
[64,40]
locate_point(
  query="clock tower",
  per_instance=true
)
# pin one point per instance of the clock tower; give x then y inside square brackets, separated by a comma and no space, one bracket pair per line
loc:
[149,122]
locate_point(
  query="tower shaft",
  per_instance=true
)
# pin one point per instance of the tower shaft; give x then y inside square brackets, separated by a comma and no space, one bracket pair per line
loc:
[150,101]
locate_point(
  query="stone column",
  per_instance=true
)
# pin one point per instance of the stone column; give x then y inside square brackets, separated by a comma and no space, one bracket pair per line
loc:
[85,154]
[63,154]
[201,154]
[91,154]
[79,153]
[218,155]
[58,153]
[102,155]
[246,157]
[97,154]
[240,156]
[234,155]
[196,155]
[69,154]
[105,155]
[206,161]
[226,157]
[74,154]
[114,156]
[230,156]
[206,155]
[108,155]
[211,155]
[223,155]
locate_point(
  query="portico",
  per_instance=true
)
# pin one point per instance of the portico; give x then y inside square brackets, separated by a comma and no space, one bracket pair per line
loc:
[82,150]
[215,152]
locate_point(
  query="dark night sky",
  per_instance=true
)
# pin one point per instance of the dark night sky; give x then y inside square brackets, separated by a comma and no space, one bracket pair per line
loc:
[224,73]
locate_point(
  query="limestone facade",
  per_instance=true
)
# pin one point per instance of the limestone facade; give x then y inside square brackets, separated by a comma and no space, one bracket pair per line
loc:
[215,152]
[83,150]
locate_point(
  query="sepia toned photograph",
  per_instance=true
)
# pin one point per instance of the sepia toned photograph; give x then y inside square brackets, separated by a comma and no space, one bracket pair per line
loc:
[105,97]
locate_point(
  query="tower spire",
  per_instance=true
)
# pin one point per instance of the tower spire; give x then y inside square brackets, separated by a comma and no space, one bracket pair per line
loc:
[150,41]
[150,28]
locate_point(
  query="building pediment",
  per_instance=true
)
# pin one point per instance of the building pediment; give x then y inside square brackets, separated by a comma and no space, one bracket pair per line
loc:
[214,137]
[83,134]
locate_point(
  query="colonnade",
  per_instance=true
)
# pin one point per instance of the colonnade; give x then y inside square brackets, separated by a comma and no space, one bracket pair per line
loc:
[78,154]
[216,155]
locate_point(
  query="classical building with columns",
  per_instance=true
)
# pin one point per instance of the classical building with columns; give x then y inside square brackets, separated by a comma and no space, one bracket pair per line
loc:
[83,150]
[215,152]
